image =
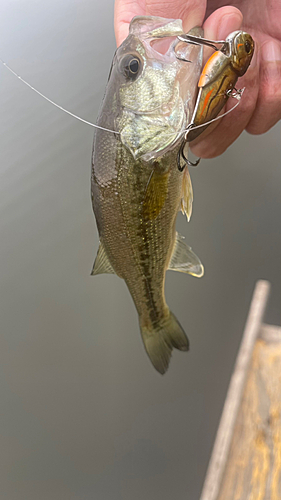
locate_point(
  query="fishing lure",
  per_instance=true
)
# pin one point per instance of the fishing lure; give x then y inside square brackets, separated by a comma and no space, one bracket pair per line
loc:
[218,78]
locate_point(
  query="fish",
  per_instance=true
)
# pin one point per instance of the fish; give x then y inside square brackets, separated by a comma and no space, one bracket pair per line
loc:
[218,79]
[137,189]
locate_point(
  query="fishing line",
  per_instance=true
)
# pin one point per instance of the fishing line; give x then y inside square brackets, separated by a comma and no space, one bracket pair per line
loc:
[55,104]
[237,96]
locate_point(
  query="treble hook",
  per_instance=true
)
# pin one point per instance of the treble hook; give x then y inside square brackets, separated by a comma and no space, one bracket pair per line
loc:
[182,59]
[177,56]
[181,155]
[196,40]
[236,93]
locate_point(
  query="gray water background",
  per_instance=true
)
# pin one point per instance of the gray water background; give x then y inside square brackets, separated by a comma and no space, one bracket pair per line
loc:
[83,414]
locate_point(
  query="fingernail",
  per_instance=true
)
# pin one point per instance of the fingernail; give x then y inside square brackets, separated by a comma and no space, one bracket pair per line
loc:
[271,51]
[229,23]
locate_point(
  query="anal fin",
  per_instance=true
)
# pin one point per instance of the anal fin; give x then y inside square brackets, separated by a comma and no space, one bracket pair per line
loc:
[102,264]
[184,259]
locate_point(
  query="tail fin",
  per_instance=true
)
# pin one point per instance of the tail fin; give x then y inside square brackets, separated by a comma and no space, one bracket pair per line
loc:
[160,340]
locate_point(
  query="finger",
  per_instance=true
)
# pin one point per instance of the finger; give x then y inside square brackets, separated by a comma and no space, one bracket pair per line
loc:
[192,15]
[124,11]
[268,107]
[191,12]
[222,22]
[218,26]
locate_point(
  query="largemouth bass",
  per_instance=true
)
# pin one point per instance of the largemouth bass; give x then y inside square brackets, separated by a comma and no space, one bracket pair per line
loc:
[137,189]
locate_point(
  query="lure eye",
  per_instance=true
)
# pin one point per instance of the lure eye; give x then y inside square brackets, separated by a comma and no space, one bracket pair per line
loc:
[131,66]
[247,46]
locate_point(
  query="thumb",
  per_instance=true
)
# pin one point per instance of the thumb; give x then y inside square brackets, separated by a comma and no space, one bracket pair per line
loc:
[222,22]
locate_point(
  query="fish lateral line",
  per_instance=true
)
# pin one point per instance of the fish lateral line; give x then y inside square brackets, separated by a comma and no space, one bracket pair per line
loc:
[54,103]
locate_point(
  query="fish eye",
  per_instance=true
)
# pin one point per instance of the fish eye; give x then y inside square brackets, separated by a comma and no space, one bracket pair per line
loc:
[131,66]
[247,46]
[134,66]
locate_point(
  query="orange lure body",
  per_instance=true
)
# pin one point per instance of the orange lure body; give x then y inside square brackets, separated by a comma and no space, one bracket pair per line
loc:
[218,79]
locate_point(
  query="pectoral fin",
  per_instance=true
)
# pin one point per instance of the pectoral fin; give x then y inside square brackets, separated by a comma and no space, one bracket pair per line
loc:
[155,195]
[102,264]
[184,260]
[187,194]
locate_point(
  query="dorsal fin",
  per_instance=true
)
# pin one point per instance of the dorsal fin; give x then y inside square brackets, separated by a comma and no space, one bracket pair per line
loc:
[186,194]
[102,264]
[184,260]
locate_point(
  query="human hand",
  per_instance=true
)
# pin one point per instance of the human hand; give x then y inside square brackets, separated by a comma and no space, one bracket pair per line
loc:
[260,107]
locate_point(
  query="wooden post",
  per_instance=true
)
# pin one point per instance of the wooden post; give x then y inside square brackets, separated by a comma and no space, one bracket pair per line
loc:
[246,458]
